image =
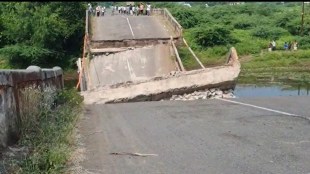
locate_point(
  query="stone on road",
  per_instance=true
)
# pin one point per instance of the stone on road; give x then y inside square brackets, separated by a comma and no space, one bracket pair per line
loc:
[200,136]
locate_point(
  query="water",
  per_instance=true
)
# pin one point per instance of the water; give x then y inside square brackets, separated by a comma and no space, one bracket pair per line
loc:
[244,90]
[251,90]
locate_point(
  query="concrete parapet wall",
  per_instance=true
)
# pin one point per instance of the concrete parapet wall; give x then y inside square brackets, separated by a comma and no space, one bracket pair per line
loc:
[174,23]
[12,102]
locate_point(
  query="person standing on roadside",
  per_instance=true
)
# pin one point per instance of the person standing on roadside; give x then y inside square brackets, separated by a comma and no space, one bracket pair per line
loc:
[295,44]
[270,46]
[285,46]
[289,46]
[273,45]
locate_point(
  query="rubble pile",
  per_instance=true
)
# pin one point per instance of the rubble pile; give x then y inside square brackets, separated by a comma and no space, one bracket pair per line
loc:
[204,94]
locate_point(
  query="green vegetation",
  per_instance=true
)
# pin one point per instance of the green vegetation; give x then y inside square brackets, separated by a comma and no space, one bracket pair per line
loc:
[41,33]
[281,66]
[249,27]
[47,131]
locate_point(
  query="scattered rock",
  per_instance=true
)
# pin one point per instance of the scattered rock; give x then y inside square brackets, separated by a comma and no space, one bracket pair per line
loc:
[204,94]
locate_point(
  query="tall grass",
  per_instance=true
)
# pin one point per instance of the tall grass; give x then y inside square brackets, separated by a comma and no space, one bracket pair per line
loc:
[46,128]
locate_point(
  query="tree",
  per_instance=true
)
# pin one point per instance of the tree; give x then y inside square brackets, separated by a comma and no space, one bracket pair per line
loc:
[207,36]
[42,33]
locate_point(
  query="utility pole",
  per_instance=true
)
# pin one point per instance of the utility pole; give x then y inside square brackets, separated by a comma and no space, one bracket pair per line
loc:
[302,18]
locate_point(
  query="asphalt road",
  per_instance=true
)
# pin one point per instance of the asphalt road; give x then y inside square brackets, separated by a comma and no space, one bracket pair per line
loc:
[121,27]
[201,136]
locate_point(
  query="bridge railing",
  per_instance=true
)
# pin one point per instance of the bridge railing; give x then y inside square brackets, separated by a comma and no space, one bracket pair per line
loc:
[19,89]
[167,15]
[82,68]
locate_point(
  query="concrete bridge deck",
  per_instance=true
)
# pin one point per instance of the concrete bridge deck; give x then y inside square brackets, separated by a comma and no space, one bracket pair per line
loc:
[132,65]
[144,61]
[124,27]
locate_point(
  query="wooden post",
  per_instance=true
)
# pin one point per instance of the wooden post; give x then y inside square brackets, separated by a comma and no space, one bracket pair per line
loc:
[302,19]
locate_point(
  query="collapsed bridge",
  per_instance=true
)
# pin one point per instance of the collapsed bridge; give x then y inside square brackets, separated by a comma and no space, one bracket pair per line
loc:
[129,51]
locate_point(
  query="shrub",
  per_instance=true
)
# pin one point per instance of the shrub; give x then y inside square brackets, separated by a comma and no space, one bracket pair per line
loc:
[207,36]
[243,22]
[186,17]
[304,42]
[268,32]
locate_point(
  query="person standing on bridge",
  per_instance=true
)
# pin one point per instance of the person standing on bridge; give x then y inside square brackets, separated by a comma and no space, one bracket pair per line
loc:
[98,11]
[148,9]
[137,10]
[127,9]
[130,10]
[102,10]
[90,9]
[141,9]
[133,10]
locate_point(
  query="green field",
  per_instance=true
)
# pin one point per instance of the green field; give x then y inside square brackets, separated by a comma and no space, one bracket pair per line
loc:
[212,31]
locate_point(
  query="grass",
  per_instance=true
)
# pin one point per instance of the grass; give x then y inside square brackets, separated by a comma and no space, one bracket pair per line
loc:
[187,58]
[257,64]
[47,131]
[277,66]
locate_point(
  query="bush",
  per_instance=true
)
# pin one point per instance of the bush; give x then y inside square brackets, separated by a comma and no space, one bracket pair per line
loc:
[268,32]
[186,17]
[304,42]
[207,36]
[243,22]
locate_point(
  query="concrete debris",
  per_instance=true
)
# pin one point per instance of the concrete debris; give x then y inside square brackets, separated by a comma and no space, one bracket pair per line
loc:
[204,94]
[174,73]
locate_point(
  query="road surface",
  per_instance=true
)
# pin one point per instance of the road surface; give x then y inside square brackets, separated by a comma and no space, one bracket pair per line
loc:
[132,65]
[201,136]
[123,27]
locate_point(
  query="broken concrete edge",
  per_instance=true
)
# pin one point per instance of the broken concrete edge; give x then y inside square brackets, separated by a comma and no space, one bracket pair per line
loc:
[137,39]
[176,74]
[96,51]
[129,42]
[223,78]
[231,61]
[10,77]
[177,91]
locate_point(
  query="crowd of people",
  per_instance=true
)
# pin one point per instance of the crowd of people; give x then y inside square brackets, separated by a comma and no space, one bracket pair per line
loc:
[99,11]
[129,9]
[133,10]
[287,46]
